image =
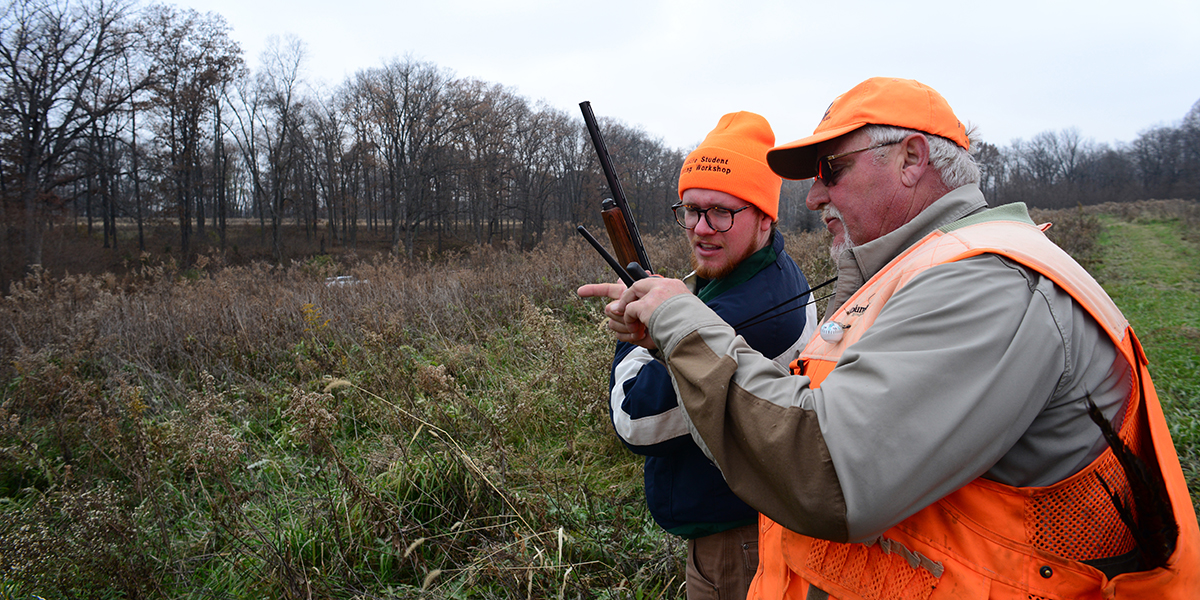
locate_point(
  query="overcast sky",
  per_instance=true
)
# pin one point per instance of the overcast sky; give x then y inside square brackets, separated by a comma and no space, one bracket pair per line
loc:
[672,67]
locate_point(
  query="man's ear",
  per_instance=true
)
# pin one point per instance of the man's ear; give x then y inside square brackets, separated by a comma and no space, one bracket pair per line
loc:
[915,155]
[764,221]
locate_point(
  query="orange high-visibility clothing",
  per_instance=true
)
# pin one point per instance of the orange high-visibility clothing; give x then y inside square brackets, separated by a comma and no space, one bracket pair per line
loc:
[989,540]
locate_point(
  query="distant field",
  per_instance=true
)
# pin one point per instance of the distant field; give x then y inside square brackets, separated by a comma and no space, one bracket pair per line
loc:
[438,431]
[70,248]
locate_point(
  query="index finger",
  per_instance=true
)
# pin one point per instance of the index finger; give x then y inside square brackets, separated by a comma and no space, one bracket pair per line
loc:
[611,291]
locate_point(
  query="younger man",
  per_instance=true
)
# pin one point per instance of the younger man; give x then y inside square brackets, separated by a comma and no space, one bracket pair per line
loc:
[729,202]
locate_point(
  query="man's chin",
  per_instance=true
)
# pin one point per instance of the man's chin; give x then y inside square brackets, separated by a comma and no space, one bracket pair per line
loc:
[712,271]
[840,244]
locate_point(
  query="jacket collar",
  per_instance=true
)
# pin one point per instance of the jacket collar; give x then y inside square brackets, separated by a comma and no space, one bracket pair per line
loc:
[856,265]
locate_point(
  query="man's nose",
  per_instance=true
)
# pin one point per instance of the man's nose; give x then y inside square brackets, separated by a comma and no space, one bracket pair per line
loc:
[818,196]
[702,227]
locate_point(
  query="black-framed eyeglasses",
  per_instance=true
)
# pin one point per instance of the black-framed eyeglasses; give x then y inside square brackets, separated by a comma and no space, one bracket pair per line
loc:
[825,173]
[719,219]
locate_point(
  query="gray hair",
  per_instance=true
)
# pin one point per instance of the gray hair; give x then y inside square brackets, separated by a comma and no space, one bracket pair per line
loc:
[956,165]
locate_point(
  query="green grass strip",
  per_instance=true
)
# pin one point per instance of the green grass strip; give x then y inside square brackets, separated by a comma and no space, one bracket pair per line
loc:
[1153,273]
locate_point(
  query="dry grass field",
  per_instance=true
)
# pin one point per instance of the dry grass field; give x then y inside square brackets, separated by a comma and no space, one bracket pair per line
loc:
[435,428]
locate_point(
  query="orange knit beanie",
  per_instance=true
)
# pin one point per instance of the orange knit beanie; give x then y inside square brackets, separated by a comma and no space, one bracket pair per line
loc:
[732,159]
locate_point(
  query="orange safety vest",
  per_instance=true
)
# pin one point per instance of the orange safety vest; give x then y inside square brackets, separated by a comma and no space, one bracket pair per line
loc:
[988,540]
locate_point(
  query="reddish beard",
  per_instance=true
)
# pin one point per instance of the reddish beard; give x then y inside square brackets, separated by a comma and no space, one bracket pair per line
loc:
[711,273]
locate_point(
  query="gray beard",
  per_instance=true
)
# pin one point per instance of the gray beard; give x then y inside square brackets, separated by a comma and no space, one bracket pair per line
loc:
[837,248]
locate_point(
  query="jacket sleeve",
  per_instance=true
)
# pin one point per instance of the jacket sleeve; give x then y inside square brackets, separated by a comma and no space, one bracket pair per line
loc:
[643,406]
[954,370]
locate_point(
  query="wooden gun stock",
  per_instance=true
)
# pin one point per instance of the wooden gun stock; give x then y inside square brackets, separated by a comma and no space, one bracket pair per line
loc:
[618,232]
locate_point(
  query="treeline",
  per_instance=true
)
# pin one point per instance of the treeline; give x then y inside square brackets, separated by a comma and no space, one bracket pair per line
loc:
[1062,169]
[115,111]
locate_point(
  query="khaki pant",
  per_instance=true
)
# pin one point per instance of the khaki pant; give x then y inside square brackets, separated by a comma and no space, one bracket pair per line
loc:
[720,566]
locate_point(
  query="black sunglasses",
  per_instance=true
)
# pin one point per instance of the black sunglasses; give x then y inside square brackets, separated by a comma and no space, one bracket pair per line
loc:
[825,173]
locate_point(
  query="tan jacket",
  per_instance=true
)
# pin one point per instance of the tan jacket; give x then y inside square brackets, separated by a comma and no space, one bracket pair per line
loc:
[976,368]
[988,540]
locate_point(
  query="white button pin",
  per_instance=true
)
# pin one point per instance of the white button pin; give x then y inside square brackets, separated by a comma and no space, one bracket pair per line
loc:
[832,331]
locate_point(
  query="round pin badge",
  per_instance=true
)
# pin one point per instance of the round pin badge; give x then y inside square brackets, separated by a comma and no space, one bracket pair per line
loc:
[832,331]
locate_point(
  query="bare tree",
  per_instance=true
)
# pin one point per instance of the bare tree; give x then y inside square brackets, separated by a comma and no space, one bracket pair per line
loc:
[533,145]
[1189,133]
[196,59]
[329,164]
[279,86]
[1157,155]
[483,148]
[1108,175]
[1040,158]
[648,170]
[361,160]
[136,106]
[247,116]
[51,53]
[573,165]
[412,121]
[221,166]
[993,170]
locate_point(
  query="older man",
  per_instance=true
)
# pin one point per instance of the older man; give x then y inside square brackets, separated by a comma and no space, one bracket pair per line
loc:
[728,204]
[937,442]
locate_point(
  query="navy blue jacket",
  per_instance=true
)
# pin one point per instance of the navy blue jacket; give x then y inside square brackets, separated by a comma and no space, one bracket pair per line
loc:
[685,492]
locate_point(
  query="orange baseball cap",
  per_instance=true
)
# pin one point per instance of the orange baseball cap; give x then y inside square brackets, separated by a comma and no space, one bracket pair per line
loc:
[877,101]
[732,159]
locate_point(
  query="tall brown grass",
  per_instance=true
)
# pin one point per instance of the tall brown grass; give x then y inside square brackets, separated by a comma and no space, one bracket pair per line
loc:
[180,409]
[431,429]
